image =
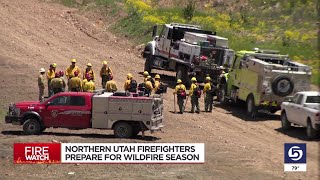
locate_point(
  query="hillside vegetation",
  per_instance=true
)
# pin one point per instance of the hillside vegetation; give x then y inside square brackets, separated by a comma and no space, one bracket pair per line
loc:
[289,26]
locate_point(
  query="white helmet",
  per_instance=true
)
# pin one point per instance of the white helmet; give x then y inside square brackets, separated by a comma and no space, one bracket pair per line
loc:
[42,70]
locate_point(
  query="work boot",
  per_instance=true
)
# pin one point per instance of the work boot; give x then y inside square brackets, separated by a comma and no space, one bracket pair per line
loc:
[198,112]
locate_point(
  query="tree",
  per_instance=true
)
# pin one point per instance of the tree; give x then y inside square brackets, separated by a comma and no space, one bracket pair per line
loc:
[188,11]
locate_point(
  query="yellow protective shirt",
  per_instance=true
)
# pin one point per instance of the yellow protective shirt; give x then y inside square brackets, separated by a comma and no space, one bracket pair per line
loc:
[207,87]
[111,86]
[41,80]
[179,87]
[105,71]
[127,84]
[56,83]
[70,71]
[51,74]
[75,82]
[192,88]
[148,85]
[89,87]
[90,72]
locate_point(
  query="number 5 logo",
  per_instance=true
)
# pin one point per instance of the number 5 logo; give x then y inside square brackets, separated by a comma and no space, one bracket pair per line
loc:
[295,153]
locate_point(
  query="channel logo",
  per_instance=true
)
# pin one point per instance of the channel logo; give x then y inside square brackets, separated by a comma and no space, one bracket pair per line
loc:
[295,157]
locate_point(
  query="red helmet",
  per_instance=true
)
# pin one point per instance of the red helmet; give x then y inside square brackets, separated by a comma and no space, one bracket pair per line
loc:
[61,73]
[87,75]
[76,73]
[57,75]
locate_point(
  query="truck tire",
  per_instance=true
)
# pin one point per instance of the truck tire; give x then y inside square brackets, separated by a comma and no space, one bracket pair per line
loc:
[251,107]
[123,130]
[282,85]
[285,124]
[311,133]
[148,63]
[31,126]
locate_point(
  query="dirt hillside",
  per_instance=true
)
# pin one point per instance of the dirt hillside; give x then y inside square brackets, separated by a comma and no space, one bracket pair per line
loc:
[34,34]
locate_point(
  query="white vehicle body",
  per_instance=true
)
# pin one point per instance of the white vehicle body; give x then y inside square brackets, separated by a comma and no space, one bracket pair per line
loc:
[303,109]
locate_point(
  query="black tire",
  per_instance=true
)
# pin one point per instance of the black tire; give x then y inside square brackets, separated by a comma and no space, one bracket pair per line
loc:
[135,132]
[31,127]
[123,130]
[311,133]
[148,63]
[285,124]
[251,107]
[282,85]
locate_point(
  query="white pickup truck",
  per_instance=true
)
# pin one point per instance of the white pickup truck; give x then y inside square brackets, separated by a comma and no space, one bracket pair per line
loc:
[302,109]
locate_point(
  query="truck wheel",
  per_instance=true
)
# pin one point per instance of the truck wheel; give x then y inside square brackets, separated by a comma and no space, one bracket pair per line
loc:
[285,124]
[123,130]
[31,127]
[251,108]
[311,133]
[147,63]
[282,85]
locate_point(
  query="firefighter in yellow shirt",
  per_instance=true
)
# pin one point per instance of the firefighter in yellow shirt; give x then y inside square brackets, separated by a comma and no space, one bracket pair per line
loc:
[57,84]
[89,86]
[75,83]
[156,82]
[71,70]
[130,84]
[180,91]
[41,84]
[105,73]
[89,71]
[195,94]
[111,85]
[50,75]
[208,93]
[148,86]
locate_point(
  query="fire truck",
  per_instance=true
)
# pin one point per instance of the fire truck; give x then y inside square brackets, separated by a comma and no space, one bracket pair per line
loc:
[125,113]
[187,50]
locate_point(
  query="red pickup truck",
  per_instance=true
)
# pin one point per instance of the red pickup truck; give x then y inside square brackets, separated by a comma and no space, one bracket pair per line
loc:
[125,113]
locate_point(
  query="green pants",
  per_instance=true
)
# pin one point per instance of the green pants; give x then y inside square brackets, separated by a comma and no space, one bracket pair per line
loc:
[208,102]
[50,92]
[195,103]
[180,104]
[104,81]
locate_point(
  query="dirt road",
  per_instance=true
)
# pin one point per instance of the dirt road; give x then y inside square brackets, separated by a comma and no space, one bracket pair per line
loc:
[34,34]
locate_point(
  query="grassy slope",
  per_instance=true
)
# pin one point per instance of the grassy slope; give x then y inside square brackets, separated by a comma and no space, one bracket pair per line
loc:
[289,26]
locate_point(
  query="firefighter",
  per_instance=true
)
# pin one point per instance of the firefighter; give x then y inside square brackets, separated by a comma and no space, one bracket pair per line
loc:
[148,86]
[41,84]
[105,73]
[71,70]
[61,74]
[75,83]
[195,94]
[180,91]
[208,93]
[111,85]
[89,71]
[157,84]
[145,74]
[89,86]
[85,80]
[50,75]
[56,84]
[130,84]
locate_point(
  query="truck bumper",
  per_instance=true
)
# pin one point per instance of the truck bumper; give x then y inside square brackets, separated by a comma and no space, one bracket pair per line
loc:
[13,120]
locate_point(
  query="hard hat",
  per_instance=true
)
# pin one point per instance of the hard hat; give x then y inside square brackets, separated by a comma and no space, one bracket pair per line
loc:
[104,62]
[146,73]
[157,76]
[208,78]
[54,65]
[73,60]
[42,70]
[129,75]
[179,81]
[76,73]
[89,64]
[148,77]
[57,74]
[193,79]
[61,73]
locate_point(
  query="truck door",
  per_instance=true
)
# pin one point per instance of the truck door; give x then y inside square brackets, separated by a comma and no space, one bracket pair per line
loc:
[290,109]
[297,111]
[54,108]
[164,41]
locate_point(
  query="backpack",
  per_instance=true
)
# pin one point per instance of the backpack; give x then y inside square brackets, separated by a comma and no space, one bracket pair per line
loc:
[197,92]
[133,85]
[141,87]
[212,90]
[182,93]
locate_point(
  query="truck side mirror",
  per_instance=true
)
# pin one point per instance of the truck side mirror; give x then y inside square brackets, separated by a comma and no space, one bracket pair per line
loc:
[154,31]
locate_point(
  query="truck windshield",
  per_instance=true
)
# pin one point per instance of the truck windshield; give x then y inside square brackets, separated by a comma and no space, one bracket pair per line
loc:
[313,99]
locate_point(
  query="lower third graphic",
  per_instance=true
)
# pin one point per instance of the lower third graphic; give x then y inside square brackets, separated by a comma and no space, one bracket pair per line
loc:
[295,157]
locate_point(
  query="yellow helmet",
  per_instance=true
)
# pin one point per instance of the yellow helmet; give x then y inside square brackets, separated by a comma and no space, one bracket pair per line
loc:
[148,77]
[89,65]
[193,79]
[208,78]
[54,65]
[146,73]
[179,81]
[73,60]
[104,62]
[129,76]
[157,76]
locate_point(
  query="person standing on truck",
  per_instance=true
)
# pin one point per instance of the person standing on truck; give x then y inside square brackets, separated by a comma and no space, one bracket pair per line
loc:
[130,84]
[105,73]
[41,84]
[89,86]
[50,75]
[195,93]
[208,91]
[89,71]
[145,75]
[75,83]
[111,85]
[148,86]
[159,87]
[180,91]
[56,84]
[71,70]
